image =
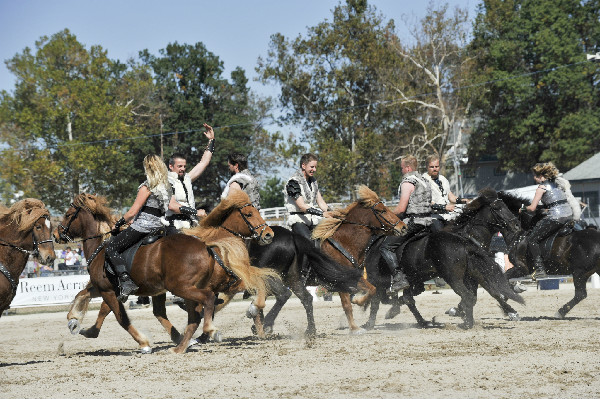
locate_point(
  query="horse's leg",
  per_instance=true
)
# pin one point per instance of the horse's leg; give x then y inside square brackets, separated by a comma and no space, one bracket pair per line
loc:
[110,297]
[368,288]
[347,306]
[94,330]
[196,300]
[159,310]
[282,294]
[260,303]
[306,299]
[467,300]
[79,307]
[375,301]
[394,311]
[579,282]
[409,300]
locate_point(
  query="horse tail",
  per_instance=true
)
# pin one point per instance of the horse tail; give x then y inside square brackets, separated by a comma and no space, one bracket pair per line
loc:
[235,256]
[490,275]
[335,276]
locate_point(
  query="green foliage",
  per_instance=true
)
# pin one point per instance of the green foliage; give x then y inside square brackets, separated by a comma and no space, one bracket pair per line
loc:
[189,78]
[271,195]
[541,100]
[66,95]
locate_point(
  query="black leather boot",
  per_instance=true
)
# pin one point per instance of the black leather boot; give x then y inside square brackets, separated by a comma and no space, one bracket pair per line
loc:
[126,286]
[399,282]
[540,270]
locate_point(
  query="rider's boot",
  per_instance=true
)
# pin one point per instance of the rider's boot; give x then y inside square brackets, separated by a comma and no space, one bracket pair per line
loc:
[540,270]
[399,282]
[126,285]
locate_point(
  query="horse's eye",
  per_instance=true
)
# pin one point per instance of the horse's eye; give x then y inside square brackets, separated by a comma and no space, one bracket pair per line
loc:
[249,214]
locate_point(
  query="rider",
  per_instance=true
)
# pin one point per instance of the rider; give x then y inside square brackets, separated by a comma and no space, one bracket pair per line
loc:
[302,196]
[552,192]
[153,199]
[414,208]
[443,199]
[241,179]
[182,182]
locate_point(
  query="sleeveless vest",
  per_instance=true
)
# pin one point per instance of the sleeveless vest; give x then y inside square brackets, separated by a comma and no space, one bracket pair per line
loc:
[309,194]
[556,200]
[151,216]
[181,197]
[248,184]
[419,202]
[438,197]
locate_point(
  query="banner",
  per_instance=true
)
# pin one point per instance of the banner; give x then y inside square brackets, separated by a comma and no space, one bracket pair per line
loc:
[41,291]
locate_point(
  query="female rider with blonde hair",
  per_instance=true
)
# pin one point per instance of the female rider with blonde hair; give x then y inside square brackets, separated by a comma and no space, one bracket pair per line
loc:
[553,191]
[154,198]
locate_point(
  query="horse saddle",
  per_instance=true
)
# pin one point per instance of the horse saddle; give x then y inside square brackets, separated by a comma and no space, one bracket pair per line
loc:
[567,229]
[130,252]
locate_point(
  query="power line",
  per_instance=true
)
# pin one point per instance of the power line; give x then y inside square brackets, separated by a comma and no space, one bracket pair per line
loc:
[341,109]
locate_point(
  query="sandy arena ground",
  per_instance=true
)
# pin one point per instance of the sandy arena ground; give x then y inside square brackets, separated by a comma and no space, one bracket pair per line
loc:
[537,357]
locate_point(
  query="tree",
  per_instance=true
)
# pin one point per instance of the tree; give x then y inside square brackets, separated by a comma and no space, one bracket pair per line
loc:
[62,125]
[438,68]
[271,195]
[541,98]
[191,84]
[330,86]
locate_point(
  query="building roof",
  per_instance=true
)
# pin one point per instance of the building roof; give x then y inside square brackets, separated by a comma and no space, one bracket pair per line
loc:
[587,170]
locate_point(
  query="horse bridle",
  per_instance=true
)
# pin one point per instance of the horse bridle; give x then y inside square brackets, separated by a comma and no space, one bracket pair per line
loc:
[499,222]
[64,234]
[381,219]
[35,251]
[255,234]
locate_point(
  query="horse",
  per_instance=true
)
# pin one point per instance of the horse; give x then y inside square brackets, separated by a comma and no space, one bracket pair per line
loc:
[300,263]
[183,264]
[576,253]
[347,237]
[25,230]
[462,262]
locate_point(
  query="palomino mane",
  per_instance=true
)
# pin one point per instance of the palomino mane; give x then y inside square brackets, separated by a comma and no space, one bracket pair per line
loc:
[96,205]
[209,226]
[328,226]
[24,213]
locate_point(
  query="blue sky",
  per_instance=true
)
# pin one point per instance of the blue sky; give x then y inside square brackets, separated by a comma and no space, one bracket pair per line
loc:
[237,31]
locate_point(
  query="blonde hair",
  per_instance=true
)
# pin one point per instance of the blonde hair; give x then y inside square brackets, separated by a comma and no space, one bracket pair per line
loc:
[156,171]
[411,161]
[545,169]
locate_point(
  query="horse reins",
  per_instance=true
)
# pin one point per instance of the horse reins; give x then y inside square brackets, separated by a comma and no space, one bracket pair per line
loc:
[253,229]
[65,230]
[35,252]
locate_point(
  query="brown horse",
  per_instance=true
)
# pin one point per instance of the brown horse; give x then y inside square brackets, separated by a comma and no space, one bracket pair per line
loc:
[181,264]
[353,230]
[24,230]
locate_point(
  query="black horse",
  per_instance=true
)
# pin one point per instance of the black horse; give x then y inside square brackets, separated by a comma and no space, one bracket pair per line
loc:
[293,256]
[577,252]
[457,254]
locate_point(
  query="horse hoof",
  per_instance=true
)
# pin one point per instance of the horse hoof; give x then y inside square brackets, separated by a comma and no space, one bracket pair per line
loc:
[359,331]
[268,329]
[74,326]
[452,312]
[392,312]
[146,350]
[252,311]
[514,317]
[368,326]
[519,288]
[193,341]
[558,315]
[217,337]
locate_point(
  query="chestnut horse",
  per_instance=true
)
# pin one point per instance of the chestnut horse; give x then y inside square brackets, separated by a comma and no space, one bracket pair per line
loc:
[24,230]
[353,230]
[181,264]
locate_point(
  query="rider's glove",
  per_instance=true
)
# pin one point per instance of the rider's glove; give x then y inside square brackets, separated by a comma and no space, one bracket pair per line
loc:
[315,211]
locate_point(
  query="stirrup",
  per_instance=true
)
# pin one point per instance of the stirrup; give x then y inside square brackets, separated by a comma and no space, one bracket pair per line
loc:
[539,274]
